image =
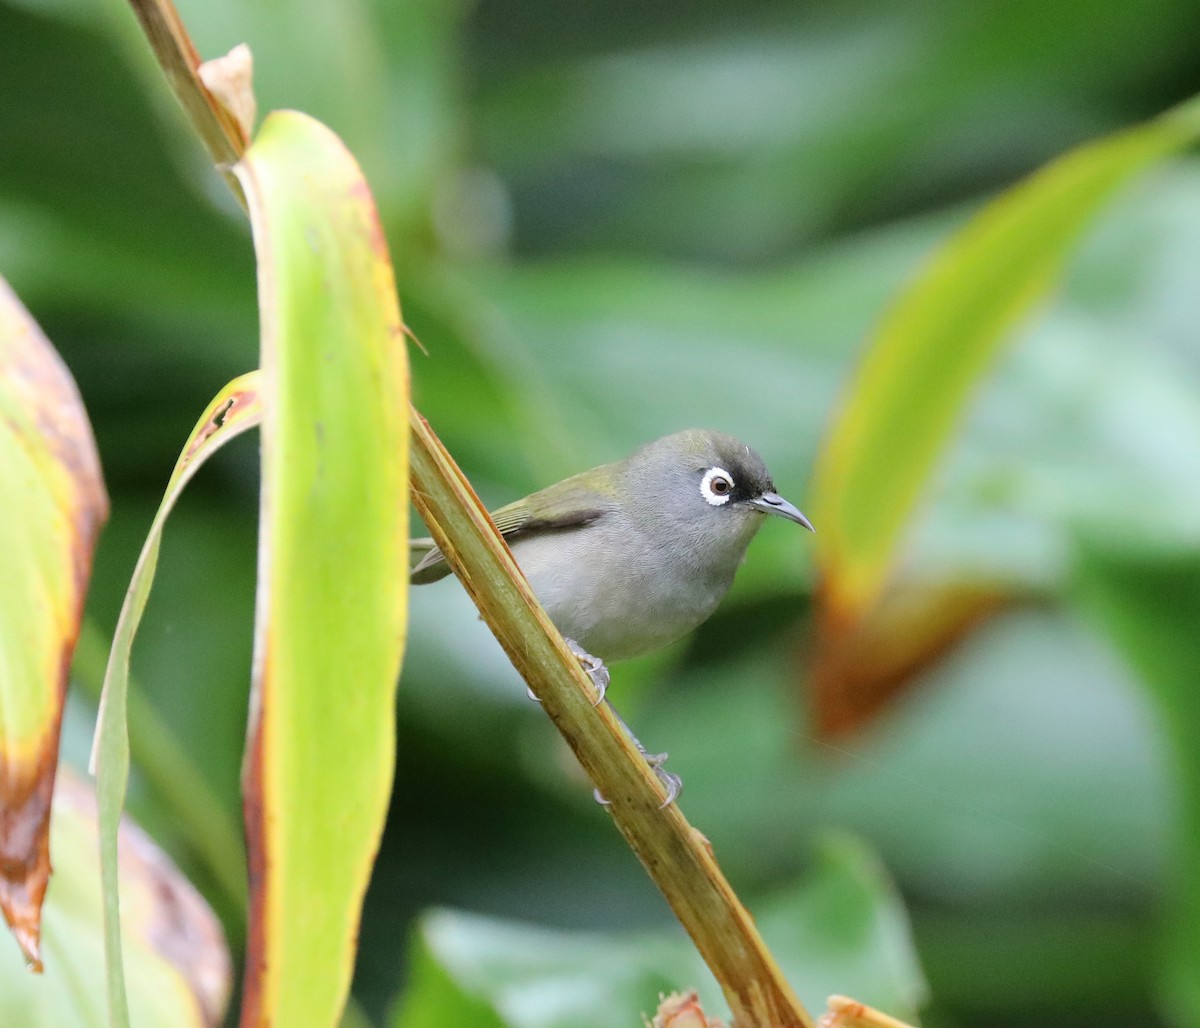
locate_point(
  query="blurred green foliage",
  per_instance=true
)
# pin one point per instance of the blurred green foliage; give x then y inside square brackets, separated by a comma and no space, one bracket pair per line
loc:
[612,220]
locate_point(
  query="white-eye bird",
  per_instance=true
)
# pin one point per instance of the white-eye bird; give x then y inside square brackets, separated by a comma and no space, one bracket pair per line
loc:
[629,557]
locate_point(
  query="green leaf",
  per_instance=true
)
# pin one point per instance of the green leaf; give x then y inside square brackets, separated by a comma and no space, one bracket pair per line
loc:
[234,410]
[212,832]
[179,967]
[845,931]
[522,976]
[841,929]
[333,566]
[1148,604]
[54,503]
[435,995]
[938,339]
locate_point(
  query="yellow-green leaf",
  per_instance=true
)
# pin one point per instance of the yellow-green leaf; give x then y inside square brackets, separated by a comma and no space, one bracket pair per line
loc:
[234,410]
[53,503]
[332,567]
[938,339]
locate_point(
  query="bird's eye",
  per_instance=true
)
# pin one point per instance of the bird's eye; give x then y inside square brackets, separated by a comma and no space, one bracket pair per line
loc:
[716,486]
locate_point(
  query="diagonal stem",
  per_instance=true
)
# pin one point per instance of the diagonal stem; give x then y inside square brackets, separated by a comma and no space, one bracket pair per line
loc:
[217,128]
[675,855]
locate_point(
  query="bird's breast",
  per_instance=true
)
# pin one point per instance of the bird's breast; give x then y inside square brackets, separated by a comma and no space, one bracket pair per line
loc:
[618,601]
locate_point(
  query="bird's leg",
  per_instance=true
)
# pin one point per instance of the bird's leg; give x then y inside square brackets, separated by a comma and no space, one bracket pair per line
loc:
[593,667]
[597,671]
[671,782]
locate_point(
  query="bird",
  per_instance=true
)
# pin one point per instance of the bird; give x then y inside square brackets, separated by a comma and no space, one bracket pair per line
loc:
[629,557]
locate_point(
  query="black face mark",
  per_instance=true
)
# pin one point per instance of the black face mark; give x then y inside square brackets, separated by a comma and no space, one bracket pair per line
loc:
[720,486]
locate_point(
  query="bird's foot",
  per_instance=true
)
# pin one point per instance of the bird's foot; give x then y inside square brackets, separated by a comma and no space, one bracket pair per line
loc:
[672,784]
[594,668]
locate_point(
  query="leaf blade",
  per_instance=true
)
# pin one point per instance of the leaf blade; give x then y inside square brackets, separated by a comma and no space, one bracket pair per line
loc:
[332,566]
[235,409]
[53,496]
[937,340]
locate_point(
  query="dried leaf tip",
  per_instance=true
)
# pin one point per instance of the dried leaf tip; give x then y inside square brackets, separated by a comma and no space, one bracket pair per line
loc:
[683,1010]
[849,1013]
[230,80]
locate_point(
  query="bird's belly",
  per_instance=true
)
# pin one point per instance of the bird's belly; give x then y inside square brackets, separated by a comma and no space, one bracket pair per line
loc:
[615,610]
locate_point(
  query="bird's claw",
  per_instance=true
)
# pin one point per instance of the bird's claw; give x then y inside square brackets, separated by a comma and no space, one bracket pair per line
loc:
[594,668]
[597,671]
[672,784]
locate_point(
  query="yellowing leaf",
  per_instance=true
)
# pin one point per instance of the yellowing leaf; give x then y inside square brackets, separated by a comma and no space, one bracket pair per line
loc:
[333,567]
[937,340]
[53,502]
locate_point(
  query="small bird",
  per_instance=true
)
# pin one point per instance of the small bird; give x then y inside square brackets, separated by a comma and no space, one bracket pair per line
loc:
[629,557]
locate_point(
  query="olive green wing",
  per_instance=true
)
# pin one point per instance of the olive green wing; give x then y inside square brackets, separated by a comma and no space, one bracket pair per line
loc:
[570,503]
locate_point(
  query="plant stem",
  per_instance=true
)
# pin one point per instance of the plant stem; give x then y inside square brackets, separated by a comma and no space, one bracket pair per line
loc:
[676,856]
[217,128]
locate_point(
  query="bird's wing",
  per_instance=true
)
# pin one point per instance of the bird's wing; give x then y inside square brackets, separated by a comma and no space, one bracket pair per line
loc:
[568,504]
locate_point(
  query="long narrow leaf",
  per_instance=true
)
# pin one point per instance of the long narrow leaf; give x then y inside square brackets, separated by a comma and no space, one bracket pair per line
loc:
[333,564]
[938,339]
[234,410]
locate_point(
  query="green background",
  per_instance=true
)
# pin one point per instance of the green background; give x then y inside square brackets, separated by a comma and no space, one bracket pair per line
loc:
[612,220]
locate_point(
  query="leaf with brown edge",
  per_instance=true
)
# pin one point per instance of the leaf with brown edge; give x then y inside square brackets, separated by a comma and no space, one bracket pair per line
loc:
[936,341]
[53,501]
[179,965]
[899,413]
[333,567]
[235,409]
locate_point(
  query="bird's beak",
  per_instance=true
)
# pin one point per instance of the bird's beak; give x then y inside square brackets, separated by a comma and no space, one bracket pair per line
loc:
[773,503]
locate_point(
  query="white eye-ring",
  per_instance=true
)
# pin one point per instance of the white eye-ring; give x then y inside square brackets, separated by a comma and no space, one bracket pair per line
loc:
[716,486]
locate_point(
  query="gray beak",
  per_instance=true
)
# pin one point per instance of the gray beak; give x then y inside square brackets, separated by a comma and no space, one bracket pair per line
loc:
[773,503]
